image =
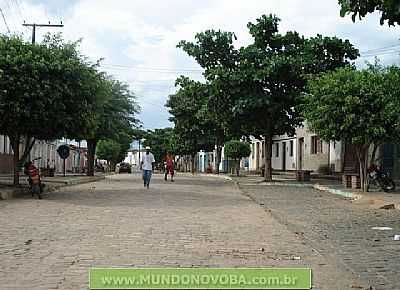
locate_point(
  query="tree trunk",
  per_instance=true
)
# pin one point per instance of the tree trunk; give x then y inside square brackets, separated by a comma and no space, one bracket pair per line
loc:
[185,164]
[373,156]
[15,140]
[237,161]
[362,155]
[192,161]
[91,144]
[267,158]
[28,148]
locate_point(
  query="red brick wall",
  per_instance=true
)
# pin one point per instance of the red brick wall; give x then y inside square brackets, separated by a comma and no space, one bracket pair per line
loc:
[6,163]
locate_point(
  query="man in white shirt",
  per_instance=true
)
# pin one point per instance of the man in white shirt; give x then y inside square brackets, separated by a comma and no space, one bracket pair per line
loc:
[147,166]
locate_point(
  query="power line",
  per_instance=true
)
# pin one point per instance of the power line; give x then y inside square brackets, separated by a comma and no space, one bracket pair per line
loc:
[381,49]
[159,68]
[5,21]
[381,53]
[151,69]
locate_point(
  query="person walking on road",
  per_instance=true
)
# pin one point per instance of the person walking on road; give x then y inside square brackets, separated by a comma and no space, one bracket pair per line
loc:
[169,167]
[147,166]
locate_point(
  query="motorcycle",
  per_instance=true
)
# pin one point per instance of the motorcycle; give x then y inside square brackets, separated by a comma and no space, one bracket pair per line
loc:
[380,178]
[35,183]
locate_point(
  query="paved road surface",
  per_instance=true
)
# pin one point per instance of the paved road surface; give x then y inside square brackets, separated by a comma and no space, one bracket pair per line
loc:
[196,221]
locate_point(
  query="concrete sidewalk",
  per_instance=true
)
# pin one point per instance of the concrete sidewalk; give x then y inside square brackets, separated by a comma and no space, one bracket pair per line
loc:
[8,191]
[374,199]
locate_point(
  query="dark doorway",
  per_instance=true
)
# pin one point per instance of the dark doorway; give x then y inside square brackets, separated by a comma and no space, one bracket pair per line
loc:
[257,156]
[351,164]
[284,156]
[301,153]
[388,157]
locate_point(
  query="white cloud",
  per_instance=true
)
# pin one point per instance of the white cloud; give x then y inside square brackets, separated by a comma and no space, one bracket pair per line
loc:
[143,34]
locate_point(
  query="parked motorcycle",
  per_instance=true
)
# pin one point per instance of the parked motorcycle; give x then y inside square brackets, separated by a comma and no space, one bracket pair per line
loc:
[380,178]
[35,183]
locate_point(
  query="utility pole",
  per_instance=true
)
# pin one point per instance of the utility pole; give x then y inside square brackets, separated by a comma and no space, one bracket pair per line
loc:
[34,25]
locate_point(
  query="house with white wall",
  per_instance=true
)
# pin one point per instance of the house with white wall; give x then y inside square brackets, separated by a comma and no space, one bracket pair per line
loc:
[47,151]
[304,151]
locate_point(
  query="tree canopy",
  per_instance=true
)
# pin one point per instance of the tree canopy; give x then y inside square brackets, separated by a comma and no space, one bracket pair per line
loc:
[41,86]
[50,90]
[237,150]
[271,76]
[161,142]
[356,107]
[109,150]
[215,52]
[193,130]
[389,9]
[113,118]
[255,90]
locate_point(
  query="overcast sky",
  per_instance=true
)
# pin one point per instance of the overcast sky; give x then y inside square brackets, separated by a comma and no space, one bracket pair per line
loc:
[137,38]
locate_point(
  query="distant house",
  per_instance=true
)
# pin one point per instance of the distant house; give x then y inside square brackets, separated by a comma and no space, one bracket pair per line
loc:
[133,157]
[47,151]
[304,151]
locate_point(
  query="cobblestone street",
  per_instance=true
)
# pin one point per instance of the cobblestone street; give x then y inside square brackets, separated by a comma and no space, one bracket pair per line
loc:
[196,221]
[339,228]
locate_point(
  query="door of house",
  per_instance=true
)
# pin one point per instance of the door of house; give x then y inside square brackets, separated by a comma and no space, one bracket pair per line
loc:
[257,156]
[351,164]
[301,153]
[388,157]
[284,156]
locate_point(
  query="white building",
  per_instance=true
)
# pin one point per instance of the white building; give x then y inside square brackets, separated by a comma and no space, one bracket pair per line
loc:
[304,151]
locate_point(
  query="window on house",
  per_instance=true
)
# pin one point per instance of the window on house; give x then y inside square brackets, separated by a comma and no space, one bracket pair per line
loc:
[252,150]
[276,149]
[316,145]
[291,148]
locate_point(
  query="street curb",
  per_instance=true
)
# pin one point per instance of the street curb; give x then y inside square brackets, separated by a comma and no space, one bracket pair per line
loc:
[50,187]
[345,194]
[77,182]
[216,176]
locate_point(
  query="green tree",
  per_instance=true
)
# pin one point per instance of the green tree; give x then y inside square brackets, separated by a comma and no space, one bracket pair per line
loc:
[161,142]
[109,150]
[41,87]
[271,76]
[389,9]
[192,132]
[115,118]
[215,52]
[237,150]
[364,106]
